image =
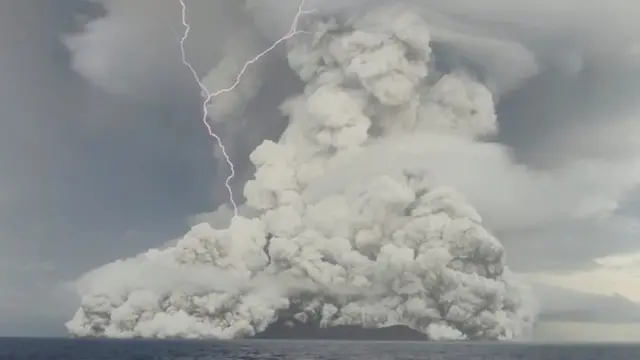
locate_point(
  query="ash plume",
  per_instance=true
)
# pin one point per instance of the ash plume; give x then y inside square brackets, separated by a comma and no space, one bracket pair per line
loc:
[395,248]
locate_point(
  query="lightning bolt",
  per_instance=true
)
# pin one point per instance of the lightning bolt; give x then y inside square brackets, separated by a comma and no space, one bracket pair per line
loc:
[208,95]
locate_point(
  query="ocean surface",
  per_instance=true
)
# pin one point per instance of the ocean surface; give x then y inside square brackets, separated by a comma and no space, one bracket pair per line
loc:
[63,349]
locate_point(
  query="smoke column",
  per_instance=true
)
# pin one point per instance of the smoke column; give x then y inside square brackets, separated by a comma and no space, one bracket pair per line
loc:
[396,248]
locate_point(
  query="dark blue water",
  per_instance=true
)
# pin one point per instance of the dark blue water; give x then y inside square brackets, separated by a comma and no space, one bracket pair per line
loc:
[43,349]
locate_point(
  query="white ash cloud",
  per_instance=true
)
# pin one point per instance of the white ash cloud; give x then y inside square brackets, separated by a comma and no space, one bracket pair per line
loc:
[393,250]
[351,217]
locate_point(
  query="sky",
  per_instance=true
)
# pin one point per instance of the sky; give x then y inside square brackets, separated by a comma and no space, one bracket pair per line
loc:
[100,163]
[86,176]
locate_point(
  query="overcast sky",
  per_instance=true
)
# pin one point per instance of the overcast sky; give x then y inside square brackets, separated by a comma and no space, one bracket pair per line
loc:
[89,175]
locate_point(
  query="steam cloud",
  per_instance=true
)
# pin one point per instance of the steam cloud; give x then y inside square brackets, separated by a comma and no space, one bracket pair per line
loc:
[355,216]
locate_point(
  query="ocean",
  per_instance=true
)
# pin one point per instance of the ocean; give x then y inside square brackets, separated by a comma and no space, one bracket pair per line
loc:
[66,349]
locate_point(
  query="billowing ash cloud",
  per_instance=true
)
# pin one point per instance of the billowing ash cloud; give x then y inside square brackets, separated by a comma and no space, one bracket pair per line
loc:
[395,248]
